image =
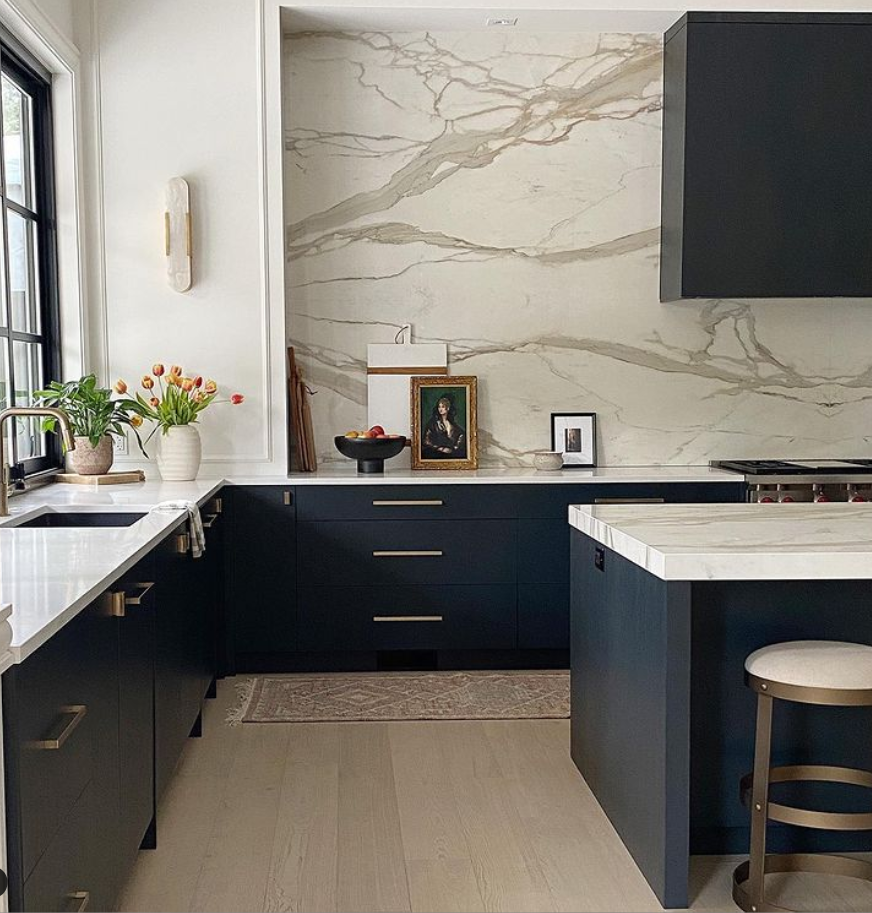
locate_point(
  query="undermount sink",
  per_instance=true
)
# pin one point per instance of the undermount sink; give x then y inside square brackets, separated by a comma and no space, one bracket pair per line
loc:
[57,520]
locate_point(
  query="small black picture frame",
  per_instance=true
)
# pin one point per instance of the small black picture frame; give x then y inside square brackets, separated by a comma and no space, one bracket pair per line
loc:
[574,435]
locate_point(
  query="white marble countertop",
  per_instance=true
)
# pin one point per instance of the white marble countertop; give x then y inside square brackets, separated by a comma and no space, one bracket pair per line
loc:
[736,541]
[346,474]
[49,575]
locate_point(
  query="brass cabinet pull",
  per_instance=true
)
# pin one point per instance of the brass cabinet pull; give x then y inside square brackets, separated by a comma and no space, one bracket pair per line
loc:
[629,500]
[79,901]
[409,553]
[287,498]
[216,506]
[407,618]
[182,544]
[144,588]
[435,502]
[76,713]
[209,522]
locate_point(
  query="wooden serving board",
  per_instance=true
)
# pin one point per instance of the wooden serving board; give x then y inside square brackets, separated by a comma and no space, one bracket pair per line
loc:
[109,478]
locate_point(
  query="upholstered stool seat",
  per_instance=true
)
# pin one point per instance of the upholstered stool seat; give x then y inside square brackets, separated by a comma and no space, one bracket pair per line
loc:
[830,673]
[814,664]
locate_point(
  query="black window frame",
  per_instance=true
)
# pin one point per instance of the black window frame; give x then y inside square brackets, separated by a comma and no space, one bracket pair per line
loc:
[36,81]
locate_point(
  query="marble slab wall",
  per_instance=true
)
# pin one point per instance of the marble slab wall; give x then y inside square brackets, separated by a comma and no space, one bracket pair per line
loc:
[500,191]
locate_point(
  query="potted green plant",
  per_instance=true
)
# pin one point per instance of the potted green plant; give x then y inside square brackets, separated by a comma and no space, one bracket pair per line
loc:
[95,418]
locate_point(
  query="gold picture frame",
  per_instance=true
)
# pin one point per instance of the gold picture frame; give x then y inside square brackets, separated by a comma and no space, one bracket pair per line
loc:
[444,422]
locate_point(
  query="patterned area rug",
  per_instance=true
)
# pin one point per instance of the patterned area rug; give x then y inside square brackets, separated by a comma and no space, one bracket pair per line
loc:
[376,696]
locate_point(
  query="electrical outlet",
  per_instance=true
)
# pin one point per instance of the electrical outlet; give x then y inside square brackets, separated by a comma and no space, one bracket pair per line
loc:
[119,442]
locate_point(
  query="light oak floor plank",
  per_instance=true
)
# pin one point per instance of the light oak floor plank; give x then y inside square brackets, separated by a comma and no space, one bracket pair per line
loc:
[414,816]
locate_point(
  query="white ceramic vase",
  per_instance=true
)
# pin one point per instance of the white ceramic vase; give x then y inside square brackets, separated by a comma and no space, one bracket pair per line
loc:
[86,460]
[179,453]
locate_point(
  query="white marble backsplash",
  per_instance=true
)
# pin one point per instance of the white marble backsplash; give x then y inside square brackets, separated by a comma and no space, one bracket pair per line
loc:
[501,192]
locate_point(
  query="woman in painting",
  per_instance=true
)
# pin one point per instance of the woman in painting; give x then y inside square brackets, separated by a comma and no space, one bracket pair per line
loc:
[444,438]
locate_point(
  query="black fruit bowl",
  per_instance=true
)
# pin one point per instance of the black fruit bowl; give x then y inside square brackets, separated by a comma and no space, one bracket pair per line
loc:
[370,452]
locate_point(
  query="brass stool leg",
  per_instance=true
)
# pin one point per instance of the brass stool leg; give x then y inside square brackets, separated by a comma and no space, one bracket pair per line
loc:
[760,801]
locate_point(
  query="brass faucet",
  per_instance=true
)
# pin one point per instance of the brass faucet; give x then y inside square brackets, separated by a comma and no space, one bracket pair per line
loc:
[66,430]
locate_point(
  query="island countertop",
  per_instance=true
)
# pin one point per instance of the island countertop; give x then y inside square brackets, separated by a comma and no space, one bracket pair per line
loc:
[736,541]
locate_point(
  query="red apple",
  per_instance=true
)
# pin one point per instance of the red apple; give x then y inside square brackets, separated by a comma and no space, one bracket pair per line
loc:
[368,434]
[383,437]
[377,429]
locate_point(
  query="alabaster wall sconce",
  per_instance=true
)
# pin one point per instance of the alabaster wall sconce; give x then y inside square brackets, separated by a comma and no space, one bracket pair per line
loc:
[178,235]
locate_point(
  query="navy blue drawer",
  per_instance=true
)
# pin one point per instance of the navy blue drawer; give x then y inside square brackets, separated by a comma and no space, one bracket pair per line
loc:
[408,618]
[553,500]
[543,551]
[50,731]
[543,616]
[405,502]
[397,552]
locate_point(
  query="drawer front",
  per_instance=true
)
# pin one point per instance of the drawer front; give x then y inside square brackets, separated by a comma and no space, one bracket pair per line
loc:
[543,551]
[405,502]
[51,735]
[400,552]
[70,875]
[554,500]
[408,618]
[543,617]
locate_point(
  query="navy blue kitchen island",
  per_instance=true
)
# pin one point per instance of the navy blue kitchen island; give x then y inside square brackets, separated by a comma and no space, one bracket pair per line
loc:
[666,604]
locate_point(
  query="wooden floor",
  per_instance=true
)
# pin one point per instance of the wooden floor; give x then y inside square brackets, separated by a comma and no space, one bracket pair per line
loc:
[441,816]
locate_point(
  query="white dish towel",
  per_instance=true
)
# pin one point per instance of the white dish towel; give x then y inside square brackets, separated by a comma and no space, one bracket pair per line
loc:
[195,523]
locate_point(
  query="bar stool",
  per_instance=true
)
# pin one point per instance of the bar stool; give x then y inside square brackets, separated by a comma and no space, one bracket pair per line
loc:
[808,672]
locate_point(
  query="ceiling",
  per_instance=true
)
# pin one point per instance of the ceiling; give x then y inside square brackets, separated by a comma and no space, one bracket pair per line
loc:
[574,16]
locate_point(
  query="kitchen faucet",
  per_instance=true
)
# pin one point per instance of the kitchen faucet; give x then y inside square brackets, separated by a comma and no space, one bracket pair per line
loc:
[66,430]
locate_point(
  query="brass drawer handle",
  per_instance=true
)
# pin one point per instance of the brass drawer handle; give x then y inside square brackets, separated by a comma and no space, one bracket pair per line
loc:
[79,901]
[76,712]
[182,544]
[144,589]
[409,553]
[407,618]
[435,502]
[287,498]
[629,500]
[216,506]
[209,522]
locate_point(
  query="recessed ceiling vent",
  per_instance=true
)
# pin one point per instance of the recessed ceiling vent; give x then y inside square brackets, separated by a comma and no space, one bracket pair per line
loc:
[503,21]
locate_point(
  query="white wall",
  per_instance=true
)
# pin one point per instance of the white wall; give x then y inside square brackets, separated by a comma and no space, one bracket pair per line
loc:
[177,86]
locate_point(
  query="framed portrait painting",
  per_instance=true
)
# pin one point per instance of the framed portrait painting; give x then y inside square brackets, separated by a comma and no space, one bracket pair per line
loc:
[574,435]
[444,432]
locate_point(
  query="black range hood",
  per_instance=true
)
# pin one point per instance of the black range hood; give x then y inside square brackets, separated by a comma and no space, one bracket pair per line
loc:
[767,156]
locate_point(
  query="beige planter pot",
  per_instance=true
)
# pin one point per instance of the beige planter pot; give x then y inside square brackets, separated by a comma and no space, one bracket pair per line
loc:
[179,453]
[91,461]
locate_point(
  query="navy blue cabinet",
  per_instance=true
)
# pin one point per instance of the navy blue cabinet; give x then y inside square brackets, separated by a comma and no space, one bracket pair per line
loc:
[337,576]
[261,571]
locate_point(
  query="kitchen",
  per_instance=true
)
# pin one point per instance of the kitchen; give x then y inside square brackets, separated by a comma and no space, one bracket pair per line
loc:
[464,204]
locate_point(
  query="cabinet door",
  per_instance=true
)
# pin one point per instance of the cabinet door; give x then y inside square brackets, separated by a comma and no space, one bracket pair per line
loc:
[262,573]
[136,654]
[178,668]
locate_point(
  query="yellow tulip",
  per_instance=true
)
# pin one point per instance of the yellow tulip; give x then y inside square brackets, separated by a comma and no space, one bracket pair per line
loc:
[136,420]
[147,382]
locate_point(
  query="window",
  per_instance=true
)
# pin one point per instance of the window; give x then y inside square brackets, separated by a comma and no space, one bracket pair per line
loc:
[29,338]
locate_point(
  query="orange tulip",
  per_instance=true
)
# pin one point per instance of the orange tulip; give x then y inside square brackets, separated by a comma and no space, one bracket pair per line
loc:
[148,382]
[175,369]
[187,384]
[154,402]
[237,399]
[136,420]
[172,379]
[199,396]
[211,387]
[120,387]
[157,370]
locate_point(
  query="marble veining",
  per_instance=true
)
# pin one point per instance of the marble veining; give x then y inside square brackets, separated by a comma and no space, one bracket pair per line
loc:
[500,191]
[736,541]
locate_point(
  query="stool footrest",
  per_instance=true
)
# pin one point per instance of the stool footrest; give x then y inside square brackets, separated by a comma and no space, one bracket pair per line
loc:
[803,817]
[817,863]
